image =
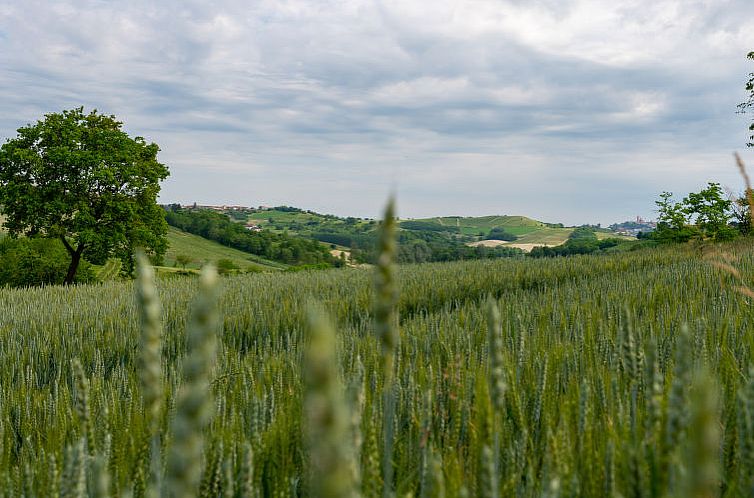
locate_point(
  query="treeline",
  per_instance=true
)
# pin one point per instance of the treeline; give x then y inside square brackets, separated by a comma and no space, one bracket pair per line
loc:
[583,240]
[576,246]
[277,247]
[423,246]
[428,226]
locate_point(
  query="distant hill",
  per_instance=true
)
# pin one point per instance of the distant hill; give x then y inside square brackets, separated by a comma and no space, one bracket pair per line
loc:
[482,225]
[304,222]
[529,232]
[439,237]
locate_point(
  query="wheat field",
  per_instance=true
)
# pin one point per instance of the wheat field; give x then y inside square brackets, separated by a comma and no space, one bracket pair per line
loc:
[614,375]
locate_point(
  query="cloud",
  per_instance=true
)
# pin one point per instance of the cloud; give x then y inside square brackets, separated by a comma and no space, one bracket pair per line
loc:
[575,111]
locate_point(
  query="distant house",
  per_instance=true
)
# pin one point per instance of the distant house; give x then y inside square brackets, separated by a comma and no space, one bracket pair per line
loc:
[253,227]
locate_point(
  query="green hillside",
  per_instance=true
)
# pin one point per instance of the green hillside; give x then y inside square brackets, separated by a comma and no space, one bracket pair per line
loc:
[302,222]
[438,236]
[528,230]
[545,236]
[202,250]
[517,225]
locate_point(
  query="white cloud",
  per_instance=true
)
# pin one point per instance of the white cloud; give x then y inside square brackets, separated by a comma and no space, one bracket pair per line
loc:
[281,101]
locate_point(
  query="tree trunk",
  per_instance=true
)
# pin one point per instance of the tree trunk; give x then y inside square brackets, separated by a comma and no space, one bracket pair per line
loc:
[75,260]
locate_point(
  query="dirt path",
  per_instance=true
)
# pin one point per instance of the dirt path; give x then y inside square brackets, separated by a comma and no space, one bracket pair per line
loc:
[498,243]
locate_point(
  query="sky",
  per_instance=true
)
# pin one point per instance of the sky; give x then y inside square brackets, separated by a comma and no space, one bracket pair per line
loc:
[572,111]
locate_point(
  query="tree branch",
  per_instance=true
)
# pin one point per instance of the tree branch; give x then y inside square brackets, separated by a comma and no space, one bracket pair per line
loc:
[67,244]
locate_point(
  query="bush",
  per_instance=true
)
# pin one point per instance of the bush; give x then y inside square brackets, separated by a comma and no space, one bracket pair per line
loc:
[575,246]
[31,262]
[583,233]
[500,234]
[225,266]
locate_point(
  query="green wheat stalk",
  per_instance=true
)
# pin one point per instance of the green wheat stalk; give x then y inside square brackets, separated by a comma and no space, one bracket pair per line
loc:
[386,327]
[150,368]
[328,422]
[194,406]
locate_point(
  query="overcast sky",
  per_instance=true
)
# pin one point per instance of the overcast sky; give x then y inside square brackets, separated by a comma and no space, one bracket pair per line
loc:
[569,111]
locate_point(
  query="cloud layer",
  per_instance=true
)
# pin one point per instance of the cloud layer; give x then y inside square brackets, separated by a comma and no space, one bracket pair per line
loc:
[573,111]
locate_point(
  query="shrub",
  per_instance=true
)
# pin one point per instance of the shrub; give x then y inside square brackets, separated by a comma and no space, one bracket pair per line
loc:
[31,262]
[225,266]
[499,233]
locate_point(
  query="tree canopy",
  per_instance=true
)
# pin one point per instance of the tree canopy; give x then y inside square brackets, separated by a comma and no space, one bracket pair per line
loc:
[749,102]
[80,178]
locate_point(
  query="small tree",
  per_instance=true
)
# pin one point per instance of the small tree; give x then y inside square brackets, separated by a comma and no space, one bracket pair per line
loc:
[670,214]
[740,212]
[81,179]
[183,260]
[672,221]
[225,266]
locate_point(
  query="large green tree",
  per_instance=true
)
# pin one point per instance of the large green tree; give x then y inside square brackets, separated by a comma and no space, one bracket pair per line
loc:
[80,178]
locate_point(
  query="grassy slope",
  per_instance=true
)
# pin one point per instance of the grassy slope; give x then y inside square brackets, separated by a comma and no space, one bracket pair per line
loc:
[529,231]
[545,236]
[203,250]
[474,225]
[611,235]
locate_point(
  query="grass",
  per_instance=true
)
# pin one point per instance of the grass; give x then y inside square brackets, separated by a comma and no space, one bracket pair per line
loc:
[202,251]
[545,236]
[601,235]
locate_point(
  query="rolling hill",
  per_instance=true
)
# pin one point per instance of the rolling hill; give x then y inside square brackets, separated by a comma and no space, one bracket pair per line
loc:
[472,230]
[530,232]
[201,250]
[517,225]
